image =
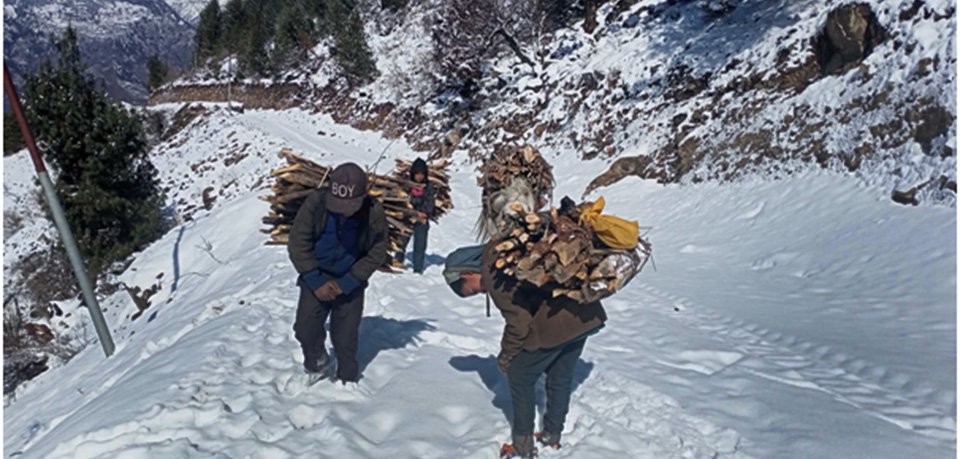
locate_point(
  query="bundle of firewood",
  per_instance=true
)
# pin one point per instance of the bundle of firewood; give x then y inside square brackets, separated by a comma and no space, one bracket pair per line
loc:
[509,162]
[552,250]
[512,175]
[437,176]
[301,176]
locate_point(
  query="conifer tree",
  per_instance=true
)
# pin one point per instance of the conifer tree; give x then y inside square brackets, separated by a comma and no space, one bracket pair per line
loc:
[233,26]
[156,72]
[352,52]
[253,52]
[12,140]
[294,34]
[105,180]
[207,41]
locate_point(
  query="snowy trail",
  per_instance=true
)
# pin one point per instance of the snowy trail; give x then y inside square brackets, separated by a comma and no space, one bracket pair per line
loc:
[430,387]
[754,338]
[716,350]
[828,336]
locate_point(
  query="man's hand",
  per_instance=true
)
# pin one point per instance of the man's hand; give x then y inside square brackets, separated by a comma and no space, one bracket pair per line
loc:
[423,217]
[503,362]
[328,291]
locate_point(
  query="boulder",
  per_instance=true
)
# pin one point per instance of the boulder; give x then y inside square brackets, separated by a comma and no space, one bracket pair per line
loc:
[849,35]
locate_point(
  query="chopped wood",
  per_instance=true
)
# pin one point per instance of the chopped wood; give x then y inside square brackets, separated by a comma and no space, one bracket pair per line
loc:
[280,199]
[436,174]
[567,250]
[552,248]
[529,154]
[297,179]
[505,163]
[527,263]
[506,166]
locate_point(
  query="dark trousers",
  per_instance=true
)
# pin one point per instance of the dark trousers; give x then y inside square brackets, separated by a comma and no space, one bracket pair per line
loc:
[524,371]
[345,313]
[419,246]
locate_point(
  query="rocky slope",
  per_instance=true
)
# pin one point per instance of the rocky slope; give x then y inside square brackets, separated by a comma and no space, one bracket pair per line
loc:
[116,37]
[684,91]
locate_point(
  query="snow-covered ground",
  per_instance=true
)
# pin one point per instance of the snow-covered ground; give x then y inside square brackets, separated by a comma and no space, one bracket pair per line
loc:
[804,317]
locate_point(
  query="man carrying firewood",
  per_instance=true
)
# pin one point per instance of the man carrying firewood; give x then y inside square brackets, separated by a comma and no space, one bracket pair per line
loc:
[422,196]
[338,239]
[542,335]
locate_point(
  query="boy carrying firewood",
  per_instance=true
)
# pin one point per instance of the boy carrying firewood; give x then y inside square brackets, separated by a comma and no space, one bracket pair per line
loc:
[422,196]
[543,333]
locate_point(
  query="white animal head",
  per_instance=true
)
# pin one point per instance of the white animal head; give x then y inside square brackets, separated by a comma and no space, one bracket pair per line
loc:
[495,221]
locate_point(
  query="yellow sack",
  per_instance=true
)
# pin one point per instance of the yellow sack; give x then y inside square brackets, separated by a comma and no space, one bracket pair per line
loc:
[615,232]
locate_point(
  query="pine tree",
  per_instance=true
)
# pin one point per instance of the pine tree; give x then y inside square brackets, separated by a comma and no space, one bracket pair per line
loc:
[294,34]
[352,52]
[156,72]
[233,26]
[207,41]
[248,28]
[105,180]
[12,140]
[253,53]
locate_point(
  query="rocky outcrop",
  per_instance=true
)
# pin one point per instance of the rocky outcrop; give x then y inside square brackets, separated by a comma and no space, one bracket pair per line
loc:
[849,35]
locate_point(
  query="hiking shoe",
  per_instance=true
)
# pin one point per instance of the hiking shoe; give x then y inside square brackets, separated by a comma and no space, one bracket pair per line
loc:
[397,264]
[523,446]
[509,452]
[549,439]
[345,381]
[318,365]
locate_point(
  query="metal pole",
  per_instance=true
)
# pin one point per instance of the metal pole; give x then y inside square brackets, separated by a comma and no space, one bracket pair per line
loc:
[79,270]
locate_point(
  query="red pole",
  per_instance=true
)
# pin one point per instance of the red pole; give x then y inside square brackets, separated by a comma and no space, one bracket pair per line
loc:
[22,120]
[60,220]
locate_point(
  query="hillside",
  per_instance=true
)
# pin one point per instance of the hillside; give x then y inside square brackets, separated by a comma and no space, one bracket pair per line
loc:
[794,318]
[116,38]
[677,91]
[792,161]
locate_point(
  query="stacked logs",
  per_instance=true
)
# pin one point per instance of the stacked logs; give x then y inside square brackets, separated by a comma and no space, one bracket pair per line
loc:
[300,177]
[551,250]
[510,161]
[512,174]
[437,175]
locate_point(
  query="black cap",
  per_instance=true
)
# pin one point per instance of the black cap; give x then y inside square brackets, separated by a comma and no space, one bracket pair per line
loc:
[348,187]
[419,165]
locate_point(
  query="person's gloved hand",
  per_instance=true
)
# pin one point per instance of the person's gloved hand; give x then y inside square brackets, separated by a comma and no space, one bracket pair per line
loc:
[328,291]
[503,362]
